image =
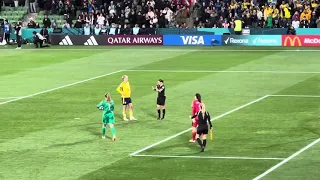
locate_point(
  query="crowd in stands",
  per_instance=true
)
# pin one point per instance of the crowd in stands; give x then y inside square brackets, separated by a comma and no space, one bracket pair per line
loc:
[122,14]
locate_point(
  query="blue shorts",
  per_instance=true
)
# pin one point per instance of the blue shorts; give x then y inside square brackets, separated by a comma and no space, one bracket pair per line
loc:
[126,101]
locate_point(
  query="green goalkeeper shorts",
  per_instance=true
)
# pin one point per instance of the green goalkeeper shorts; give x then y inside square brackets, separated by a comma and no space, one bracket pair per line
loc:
[108,119]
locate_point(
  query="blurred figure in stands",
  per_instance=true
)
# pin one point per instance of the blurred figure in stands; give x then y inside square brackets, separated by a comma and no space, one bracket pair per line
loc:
[143,30]
[44,32]
[291,30]
[7,31]
[151,30]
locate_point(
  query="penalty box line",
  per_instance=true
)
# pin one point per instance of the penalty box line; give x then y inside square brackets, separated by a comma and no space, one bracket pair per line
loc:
[207,157]
[182,132]
[223,71]
[218,117]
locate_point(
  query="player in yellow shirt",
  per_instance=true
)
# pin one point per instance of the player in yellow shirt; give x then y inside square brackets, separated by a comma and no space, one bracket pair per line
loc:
[125,91]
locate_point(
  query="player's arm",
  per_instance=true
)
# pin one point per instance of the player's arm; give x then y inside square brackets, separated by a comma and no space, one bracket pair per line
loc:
[161,89]
[209,120]
[192,117]
[154,88]
[100,106]
[120,89]
[112,106]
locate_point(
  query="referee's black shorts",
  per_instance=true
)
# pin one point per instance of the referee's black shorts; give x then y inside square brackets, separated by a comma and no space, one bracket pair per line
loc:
[161,100]
[202,131]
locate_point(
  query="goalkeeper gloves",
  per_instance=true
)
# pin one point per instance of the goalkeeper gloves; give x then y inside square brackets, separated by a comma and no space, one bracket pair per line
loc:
[100,108]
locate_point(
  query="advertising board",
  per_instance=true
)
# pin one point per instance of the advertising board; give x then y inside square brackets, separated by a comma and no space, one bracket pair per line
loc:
[192,40]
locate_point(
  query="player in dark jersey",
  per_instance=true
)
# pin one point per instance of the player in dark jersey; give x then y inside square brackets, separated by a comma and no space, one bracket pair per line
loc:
[161,99]
[202,130]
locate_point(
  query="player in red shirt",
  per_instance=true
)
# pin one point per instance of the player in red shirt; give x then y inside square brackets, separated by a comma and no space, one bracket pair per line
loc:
[196,107]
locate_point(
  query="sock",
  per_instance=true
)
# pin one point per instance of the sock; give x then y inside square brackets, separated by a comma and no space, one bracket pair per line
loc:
[158,113]
[163,113]
[204,143]
[113,131]
[199,142]
[130,113]
[104,129]
[194,135]
[124,115]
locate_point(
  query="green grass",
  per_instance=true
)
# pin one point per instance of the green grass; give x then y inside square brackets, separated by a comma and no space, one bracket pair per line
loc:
[53,131]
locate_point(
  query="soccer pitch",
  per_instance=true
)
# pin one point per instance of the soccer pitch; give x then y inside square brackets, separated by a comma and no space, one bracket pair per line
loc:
[265,104]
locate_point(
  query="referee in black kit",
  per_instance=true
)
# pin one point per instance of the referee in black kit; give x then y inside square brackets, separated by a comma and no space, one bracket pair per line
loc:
[161,99]
[202,129]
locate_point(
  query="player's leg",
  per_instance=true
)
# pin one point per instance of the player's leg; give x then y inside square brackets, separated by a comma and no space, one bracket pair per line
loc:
[159,111]
[129,101]
[163,107]
[104,128]
[113,129]
[199,140]
[163,112]
[124,108]
[194,130]
[204,140]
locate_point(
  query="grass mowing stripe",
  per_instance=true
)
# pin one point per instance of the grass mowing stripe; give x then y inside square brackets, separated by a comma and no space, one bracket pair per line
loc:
[295,95]
[188,71]
[208,157]
[287,159]
[215,118]
[60,87]
[177,50]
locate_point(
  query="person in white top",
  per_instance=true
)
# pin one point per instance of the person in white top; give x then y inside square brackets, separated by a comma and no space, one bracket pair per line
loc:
[38,39]
[151,3]
[296,24]
[150,14]
[101,20]
[168,13]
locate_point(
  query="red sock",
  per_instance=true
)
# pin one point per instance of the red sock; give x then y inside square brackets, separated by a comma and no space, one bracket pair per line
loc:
[194,136]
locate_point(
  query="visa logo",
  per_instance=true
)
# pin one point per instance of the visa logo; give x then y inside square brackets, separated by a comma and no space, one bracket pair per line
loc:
[192,40]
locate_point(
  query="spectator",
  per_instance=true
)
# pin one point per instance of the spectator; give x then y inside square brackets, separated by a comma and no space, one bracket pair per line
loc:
[31,24]
[86,29]
[101,20]
[44,32]
[151,30]
[313,20]
[304,23]
[318,22]
[136,29]
[66,25]
[119,30]
[142,31]
[97,30]
[46,21]
[127,30]
[112,30]
[54,24]
[305,15]
[32,6]
[37,26]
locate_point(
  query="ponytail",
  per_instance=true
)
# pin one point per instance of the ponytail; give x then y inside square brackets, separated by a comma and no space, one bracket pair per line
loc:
[198,96]
[108,96]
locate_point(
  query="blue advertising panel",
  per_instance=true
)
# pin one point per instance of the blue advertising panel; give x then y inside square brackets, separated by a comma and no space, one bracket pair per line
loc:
[192,40]
[252,40]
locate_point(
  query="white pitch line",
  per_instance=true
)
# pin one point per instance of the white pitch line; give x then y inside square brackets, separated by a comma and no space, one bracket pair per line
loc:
[10,97]
[208,157]
[182,132]
[295,95]
[60,87]
[208,71]
[286,160]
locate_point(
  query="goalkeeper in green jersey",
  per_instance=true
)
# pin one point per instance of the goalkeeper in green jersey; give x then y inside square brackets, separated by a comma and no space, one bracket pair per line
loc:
[107,106]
